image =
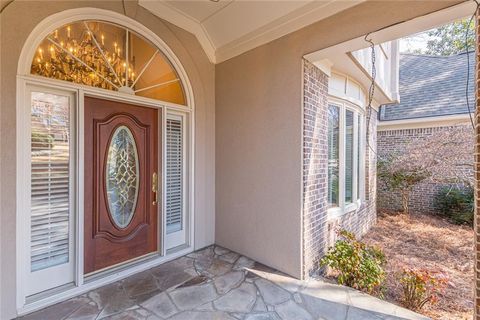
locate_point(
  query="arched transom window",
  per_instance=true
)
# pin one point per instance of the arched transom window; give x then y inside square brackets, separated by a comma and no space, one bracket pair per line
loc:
[108,56]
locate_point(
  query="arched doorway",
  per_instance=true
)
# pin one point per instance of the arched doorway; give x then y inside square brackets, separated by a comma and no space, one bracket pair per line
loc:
[105,113]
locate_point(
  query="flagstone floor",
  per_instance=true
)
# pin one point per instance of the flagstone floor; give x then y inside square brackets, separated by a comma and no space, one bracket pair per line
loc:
[217,284]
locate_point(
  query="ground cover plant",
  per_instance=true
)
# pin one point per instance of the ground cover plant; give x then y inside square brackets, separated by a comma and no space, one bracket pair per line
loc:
[424,242]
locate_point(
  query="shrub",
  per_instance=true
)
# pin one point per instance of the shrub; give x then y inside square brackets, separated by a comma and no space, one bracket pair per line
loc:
[358,265]
[420,287]
[456,204]
[397,174]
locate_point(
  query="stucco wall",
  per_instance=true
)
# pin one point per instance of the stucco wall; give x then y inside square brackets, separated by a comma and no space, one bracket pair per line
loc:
[259,132]
[17,22]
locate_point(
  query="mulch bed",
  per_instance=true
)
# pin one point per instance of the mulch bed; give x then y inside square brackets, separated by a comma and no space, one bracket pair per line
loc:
[424,241]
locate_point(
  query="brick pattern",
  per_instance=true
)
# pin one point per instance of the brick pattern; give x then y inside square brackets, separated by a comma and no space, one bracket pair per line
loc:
[315,155]
[477,174]
[318,231]
[422,197]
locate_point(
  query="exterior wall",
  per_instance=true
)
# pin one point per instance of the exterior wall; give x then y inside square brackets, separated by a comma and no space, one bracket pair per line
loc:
[386,64]
[319,231]
[422,198]
[17,22]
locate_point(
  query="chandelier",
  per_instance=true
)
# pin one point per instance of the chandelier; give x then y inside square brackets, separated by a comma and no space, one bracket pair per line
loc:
[85,60]
[108,56]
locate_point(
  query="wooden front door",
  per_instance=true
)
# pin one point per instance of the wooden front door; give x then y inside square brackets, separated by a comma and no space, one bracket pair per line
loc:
[121,182]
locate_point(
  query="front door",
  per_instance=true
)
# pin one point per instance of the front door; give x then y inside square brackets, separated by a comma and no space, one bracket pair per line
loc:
[121,183]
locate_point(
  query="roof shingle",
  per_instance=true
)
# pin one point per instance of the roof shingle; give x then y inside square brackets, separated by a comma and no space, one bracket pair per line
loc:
[432,86]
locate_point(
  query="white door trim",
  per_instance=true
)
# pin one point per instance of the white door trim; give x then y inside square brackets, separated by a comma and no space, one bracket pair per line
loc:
[24,79]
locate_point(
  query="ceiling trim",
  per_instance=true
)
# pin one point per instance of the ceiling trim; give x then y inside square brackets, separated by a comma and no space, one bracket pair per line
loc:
[178,18]
[425,122]
[295,20]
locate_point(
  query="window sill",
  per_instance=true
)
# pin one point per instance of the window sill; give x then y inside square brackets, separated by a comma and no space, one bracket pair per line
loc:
[337,212]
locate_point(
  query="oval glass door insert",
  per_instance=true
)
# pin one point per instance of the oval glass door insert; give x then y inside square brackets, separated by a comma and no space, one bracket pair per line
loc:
[122,176]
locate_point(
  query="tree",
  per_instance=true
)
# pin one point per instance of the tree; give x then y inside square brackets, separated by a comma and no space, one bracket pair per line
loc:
[442,157]
[400,175]
[450,39]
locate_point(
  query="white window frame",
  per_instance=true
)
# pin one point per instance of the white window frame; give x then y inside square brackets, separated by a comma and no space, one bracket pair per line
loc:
[358,169]
[56,275]
[25,302]
[178,238]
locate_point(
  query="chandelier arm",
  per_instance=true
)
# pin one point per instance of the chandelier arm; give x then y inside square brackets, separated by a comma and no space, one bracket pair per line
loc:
[157,85]
[101,51]
[144,68]
[83,63]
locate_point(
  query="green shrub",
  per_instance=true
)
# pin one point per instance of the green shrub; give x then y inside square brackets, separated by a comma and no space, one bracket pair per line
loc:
[420,287]
[358,265]
[456,204]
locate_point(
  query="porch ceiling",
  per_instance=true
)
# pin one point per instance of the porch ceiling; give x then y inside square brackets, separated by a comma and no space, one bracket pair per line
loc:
[227,28]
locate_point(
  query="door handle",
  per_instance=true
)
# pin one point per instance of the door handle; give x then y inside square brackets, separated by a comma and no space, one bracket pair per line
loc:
[155,188]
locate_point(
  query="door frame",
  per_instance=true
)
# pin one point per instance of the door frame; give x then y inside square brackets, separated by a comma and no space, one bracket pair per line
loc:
[81,283]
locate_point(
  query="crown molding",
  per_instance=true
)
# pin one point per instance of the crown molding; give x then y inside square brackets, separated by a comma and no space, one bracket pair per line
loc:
[293,21]
[166,12]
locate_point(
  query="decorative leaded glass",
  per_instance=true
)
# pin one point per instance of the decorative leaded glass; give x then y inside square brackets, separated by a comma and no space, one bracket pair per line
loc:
[122,175]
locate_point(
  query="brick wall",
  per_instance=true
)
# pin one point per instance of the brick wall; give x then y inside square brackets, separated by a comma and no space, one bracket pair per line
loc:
[315,155]
[319,232]
[422,197]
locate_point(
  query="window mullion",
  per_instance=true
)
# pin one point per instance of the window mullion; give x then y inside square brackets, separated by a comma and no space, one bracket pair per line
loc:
[355,158]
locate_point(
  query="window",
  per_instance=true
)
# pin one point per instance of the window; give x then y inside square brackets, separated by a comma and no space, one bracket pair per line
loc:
[50,180]
[345,174]
[175,180]
[333,154]
[108,56]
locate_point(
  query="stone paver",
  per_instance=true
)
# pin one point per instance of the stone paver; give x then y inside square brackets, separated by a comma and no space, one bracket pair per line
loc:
[188,298]
[271,293]
[291,310]
[240,300]
[227,282]
[161,305]
[217,284]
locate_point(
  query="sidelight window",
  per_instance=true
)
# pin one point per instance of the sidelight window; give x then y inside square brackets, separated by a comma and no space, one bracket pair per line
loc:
[175,184]
[50,180]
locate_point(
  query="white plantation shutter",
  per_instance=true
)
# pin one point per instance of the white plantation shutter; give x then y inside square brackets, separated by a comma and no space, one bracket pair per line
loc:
[174,175]
[50,180]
